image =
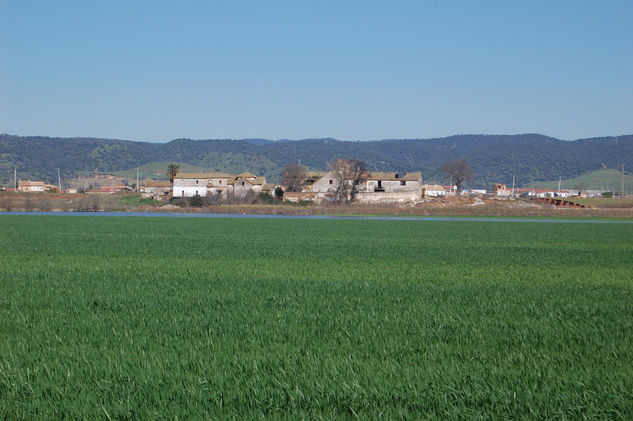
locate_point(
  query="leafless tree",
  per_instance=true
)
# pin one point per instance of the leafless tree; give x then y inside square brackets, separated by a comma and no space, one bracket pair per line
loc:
[459,171]
[349,174]
[293,176]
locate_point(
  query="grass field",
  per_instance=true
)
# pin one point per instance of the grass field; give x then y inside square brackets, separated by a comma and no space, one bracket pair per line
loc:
[604,203]
[604,179]
[145,318]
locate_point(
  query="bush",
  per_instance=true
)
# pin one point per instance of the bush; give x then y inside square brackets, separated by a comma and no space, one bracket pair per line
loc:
[266,198]
[179,201]
[212,199]
[196,201]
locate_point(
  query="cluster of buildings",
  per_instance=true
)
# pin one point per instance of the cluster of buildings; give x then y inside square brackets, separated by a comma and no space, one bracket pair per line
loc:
[316,186]
[501,190]
[214,183]
[320,187]
[377,187]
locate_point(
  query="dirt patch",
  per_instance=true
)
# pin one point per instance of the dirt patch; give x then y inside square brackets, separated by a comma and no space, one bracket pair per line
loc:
[453,206]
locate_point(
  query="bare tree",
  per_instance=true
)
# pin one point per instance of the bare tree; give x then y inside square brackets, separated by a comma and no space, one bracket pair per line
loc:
[293,176]
[349,174]
[459,170]
[172,171]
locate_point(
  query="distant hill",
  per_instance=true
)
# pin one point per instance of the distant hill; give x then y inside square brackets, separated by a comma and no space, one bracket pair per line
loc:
[493,158]
[606,179]
[258,141]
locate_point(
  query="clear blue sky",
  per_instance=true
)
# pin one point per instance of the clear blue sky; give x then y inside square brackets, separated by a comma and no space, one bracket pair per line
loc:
[353,70]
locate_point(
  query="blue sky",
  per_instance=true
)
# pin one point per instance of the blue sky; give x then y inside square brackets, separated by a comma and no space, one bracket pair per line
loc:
[353,70]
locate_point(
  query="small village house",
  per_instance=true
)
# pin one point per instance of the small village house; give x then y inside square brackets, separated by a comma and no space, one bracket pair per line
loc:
[157,189]
[433,190]
[226,185]
[28,186]
[246,183]
[378,187]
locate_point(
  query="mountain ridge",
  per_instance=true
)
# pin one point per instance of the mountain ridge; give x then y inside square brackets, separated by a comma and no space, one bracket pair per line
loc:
[494,158]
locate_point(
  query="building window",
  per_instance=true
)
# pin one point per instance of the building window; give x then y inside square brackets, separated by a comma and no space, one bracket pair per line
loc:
[403,182]
[196,181]
[242,183]
[183,193]
[330,181]
[220,182]
[196,192]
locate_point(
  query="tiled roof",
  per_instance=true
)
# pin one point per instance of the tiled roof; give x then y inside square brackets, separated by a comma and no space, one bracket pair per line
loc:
[256,182]
[202,175]
[412,176]
[383,176]
[246,174]
[30,183]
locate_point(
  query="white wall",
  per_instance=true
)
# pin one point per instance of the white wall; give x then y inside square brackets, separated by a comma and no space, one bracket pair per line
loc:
[189,187]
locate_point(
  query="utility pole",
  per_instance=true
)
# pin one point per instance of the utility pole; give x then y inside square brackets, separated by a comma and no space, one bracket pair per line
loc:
[513,186]
[59,180]
[137,179]
[622,186]
[559,179]
[15,179]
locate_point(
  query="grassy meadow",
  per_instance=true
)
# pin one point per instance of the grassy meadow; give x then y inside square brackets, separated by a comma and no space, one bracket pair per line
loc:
[154,317]
[604,179]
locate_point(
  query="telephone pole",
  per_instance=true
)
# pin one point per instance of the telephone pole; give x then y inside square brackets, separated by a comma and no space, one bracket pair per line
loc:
[622,182]
[59,180]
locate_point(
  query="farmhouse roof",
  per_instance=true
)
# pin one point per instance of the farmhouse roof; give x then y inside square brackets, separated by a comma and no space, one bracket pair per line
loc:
[246,174]
[383,176]
[412,176]
[201,175]
[29,183]
[256,181]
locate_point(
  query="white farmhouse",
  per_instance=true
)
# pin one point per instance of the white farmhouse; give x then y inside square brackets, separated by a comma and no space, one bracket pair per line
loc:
[226,185]
[191,184]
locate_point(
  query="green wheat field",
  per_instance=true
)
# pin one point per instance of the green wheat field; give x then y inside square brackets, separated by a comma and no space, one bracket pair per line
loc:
[165,318]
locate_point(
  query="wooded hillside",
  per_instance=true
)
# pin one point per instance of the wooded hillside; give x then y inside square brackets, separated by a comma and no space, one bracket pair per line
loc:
[493,158]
